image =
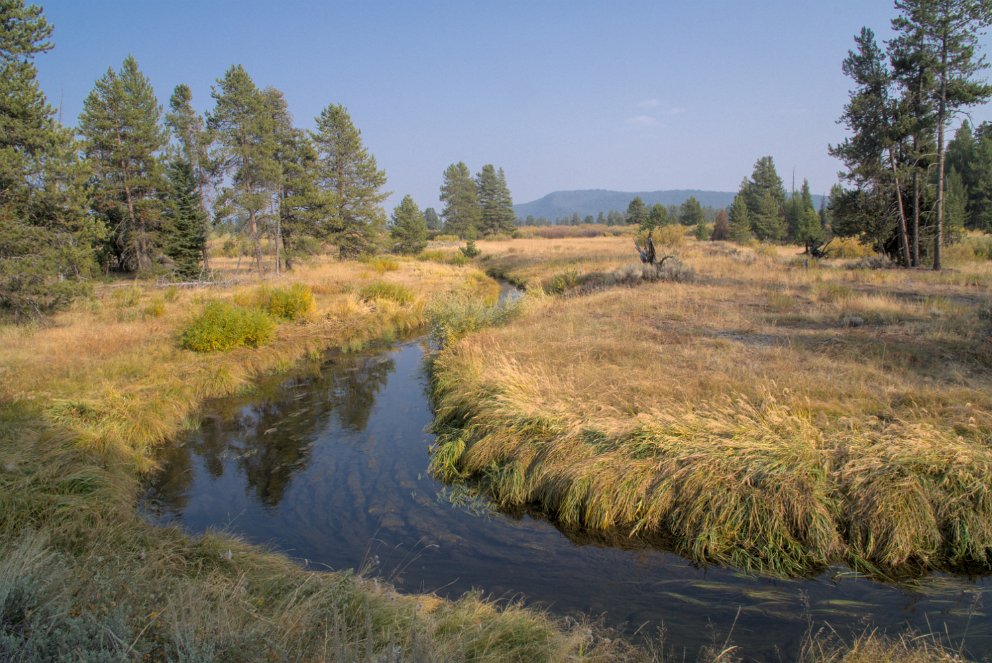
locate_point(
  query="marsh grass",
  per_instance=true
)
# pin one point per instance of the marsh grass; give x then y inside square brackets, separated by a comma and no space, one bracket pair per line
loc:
[85,402]
[763,415]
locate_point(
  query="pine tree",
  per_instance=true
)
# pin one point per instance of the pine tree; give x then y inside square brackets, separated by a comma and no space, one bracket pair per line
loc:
[492,201]
[956,206]
[123,140]
[461,213]
[190,132]
[186,238]
[740,219]
[948,32]
[506,216]
[636,212]
[690,212]
[46,235]
[349,173]
[409,229]
[765,198]
[432,220]
[657,217]
[244,129]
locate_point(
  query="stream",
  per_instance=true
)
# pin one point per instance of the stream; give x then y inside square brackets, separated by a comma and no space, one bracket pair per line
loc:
[330,467]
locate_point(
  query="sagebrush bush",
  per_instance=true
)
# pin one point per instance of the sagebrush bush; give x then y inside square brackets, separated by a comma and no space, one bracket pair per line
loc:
[849,247]
[385,290]
[671,236]
[223,326]
[294,302]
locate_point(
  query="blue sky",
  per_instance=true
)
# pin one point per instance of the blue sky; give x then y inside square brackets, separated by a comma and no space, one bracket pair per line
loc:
[563,95]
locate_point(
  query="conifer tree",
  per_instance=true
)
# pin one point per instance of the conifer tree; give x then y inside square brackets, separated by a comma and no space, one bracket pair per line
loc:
[186,237]
[409,229]
[657,217]
[765,197]
[691,212]
[721,226]
[244,129]
[350,175]
[432,220]
[189,129]
[46,235]
[123,140]
[637,213]
[740,219]
[461,212]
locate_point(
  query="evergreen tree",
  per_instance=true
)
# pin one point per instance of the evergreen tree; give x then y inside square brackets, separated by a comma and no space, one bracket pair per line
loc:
[301,204]
[244,128]
[46,235]
[190,132]
[948,32]
[691,213]
[433,221]
[496,213]
[956,206]
[123,140]
[656,218]
[740,219]
[461,211]
[350,174]
[637,214]
[409,229]
[765,198]
[186,238]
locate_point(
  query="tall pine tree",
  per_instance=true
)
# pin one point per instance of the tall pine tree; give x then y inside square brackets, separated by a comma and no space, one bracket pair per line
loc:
[123,140]
[348,172]
[461,212]
[409,229]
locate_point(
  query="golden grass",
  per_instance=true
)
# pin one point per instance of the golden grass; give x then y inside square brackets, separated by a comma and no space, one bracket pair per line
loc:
[85,400]
[764,415]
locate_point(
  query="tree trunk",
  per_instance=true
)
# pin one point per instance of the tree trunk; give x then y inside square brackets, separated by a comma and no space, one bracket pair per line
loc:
[916,218]
[941,113]
[903,241]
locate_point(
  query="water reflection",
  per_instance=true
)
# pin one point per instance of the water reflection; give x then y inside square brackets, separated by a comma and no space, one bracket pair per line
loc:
[331,466]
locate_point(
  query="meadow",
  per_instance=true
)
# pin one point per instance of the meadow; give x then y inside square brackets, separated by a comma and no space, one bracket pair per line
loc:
[674,405]
[749,407]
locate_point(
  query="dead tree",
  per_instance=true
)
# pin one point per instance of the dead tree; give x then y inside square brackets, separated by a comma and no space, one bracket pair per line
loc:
[648,254]
[817,249]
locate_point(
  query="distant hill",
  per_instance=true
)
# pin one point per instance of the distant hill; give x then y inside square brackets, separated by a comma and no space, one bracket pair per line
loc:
[593,201]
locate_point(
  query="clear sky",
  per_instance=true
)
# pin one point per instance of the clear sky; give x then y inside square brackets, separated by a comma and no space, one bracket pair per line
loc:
[562,94]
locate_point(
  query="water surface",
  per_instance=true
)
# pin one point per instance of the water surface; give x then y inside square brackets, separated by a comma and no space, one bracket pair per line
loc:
[330,466]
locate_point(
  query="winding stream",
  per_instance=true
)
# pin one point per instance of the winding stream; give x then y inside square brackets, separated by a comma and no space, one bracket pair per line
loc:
[330,466]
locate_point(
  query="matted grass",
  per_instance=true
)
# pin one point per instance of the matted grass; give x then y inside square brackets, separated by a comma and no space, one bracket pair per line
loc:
[764,415]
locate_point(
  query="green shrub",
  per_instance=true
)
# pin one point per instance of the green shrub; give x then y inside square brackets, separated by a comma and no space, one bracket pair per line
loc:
[470,250]
[295,302]
[456,315]
[384,290]
[224,326]
[562,282]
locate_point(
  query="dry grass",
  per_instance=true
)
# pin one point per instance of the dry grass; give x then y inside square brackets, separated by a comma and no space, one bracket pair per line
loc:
[764,415]
[84,402]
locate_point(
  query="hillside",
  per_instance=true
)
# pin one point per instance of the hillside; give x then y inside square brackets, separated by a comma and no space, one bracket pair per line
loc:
[593,201]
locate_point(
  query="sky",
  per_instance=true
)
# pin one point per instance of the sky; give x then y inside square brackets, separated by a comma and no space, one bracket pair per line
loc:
[624,95]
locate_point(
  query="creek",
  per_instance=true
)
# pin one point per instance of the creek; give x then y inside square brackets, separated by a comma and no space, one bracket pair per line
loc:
[330,467]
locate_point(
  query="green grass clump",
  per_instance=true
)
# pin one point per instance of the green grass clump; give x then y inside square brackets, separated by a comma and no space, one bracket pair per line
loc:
[382,264]
[455,316]
[385,290]
[293,303]
[443,257]
[223,326]
[561,282]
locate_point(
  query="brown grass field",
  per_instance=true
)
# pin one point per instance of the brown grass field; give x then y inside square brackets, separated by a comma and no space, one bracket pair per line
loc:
[746,378]
[762,414]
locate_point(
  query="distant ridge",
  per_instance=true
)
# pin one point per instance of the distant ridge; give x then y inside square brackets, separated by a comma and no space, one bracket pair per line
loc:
[584,202]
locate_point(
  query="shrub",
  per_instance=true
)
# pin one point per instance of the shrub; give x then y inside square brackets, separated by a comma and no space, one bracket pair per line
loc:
[292,303]
[671,236]
[849,247]
[562,282]
[384,290]
[454,316]
[443,257]
[155,308]
[223,326]
[470,250]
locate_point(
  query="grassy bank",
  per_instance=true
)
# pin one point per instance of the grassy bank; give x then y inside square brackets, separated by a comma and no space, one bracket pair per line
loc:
[764,414]
[87,399]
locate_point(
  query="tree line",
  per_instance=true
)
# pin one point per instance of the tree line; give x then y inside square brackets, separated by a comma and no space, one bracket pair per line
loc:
[906,188]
